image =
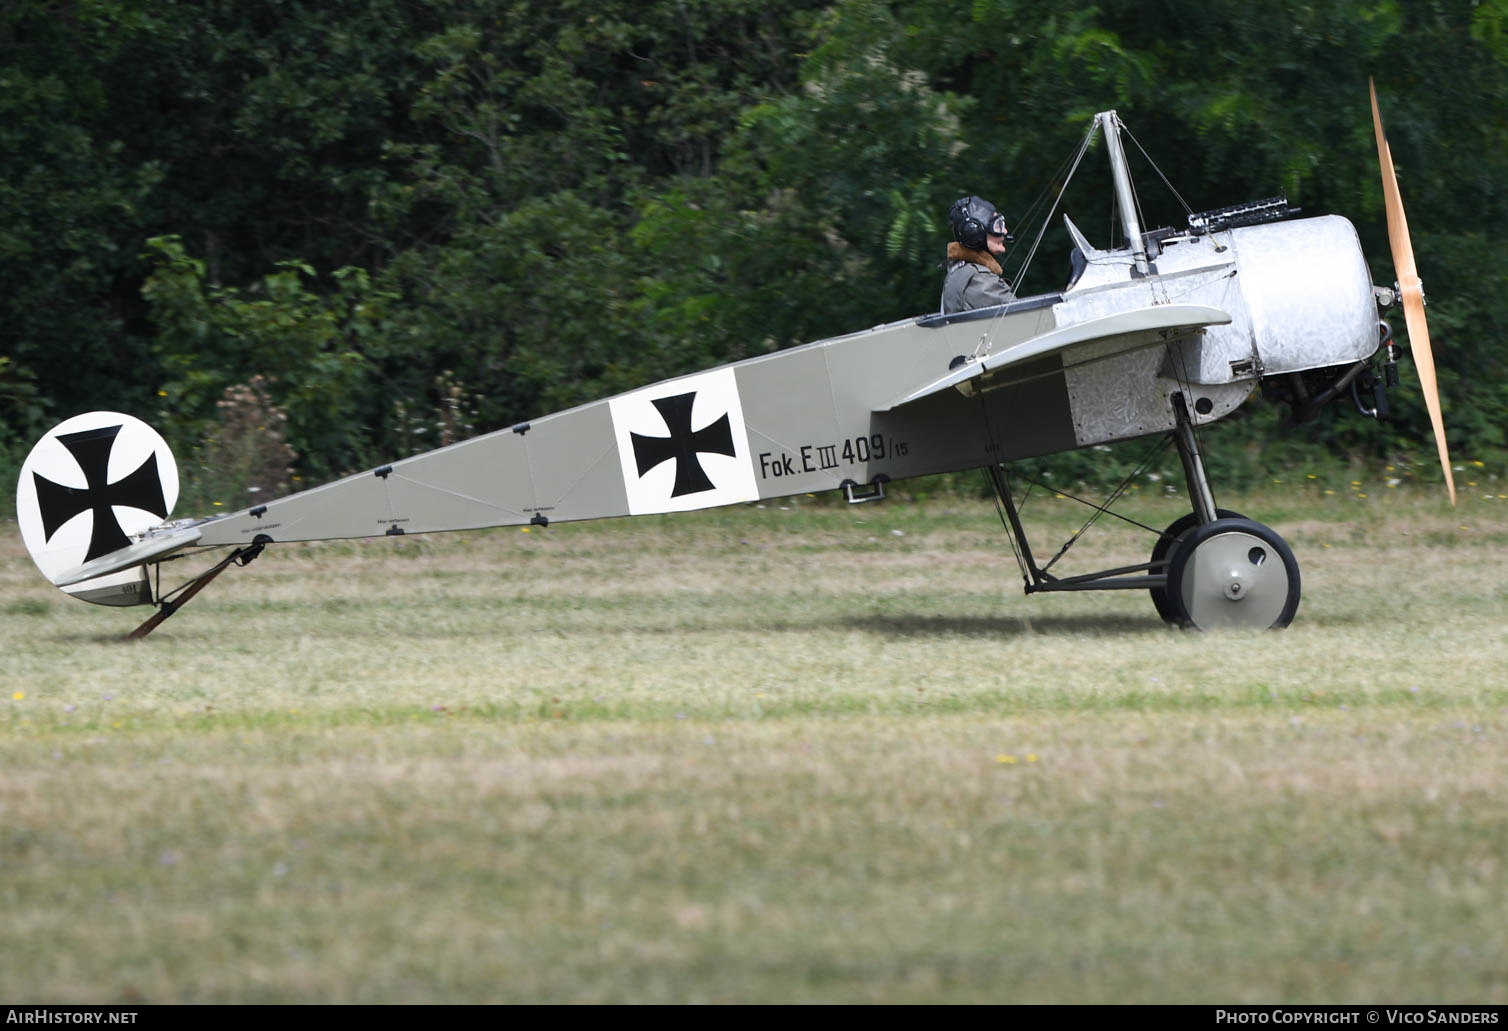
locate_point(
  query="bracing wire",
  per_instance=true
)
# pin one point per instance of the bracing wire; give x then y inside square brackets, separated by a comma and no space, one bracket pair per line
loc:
[1181,372]
[1141,216]
[1062,174]
[1026,219]
[1010,534]
[1072,164]
[1103,508]
[1187,210]
[1041,232]
[1015,280]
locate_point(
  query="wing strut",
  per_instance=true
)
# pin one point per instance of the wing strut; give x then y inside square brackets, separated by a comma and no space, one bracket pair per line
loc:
[166,607]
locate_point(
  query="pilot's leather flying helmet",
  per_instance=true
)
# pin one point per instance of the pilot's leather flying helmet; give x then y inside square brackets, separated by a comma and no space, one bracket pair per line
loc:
[974,218]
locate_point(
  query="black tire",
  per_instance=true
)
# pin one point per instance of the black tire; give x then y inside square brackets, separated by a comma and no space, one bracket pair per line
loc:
[1234,573]
[1176,529]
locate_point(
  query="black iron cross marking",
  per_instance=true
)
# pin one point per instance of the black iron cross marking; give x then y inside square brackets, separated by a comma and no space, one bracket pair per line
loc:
[683,444]
[141,489]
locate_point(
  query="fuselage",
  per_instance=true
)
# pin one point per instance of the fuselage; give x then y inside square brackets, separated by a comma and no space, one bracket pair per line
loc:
[823,415]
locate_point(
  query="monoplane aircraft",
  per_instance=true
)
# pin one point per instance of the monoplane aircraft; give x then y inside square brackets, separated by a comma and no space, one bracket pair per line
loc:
[1157,338]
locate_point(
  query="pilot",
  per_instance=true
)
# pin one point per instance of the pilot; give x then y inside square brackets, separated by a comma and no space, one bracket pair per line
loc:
[974,278]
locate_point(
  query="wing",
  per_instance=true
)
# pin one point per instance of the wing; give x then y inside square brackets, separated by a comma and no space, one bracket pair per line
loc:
[1077,344]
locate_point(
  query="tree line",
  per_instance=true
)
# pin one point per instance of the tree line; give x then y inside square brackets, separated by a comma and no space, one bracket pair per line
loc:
[387,223]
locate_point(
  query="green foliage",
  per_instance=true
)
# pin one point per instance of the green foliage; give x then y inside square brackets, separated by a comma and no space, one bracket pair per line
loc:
[307,346]
[18,395]
[824,219]
[25,422]
[244,458]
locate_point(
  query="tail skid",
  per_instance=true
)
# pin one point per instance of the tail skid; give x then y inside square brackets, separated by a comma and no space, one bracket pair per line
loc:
[167,605]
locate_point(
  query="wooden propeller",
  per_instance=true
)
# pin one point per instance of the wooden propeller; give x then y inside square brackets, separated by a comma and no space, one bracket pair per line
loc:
[1412,292]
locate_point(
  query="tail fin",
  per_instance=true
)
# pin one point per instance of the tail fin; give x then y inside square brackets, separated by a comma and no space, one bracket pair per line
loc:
[89,490]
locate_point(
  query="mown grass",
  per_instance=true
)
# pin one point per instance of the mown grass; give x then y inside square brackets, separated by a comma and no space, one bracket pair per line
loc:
[807,753]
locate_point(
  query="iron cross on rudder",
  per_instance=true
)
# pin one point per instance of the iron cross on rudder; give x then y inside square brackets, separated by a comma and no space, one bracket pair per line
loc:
[140,489]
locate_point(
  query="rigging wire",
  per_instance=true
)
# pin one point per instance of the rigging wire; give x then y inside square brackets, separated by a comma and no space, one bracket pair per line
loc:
[1181,373]
[1178,362]
[1009,533]
[1141,216]
[1103,508]
[1026,219]
[1063,172]
[1100,508]
[1077,159]
[1187,210]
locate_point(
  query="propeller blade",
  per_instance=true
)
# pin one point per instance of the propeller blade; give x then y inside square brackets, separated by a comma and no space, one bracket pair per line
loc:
[1412,292]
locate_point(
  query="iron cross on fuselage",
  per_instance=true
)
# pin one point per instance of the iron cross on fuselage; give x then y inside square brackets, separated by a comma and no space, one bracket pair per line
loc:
[683,444]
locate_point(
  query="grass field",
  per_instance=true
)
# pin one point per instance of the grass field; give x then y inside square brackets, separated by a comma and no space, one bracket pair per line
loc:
[794,753]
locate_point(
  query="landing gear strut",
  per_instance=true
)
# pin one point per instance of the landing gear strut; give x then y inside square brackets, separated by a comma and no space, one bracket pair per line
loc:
[1210,568]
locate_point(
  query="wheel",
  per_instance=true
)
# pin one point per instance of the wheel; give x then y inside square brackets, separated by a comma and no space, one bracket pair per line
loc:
[1233,573]
[1176,529]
